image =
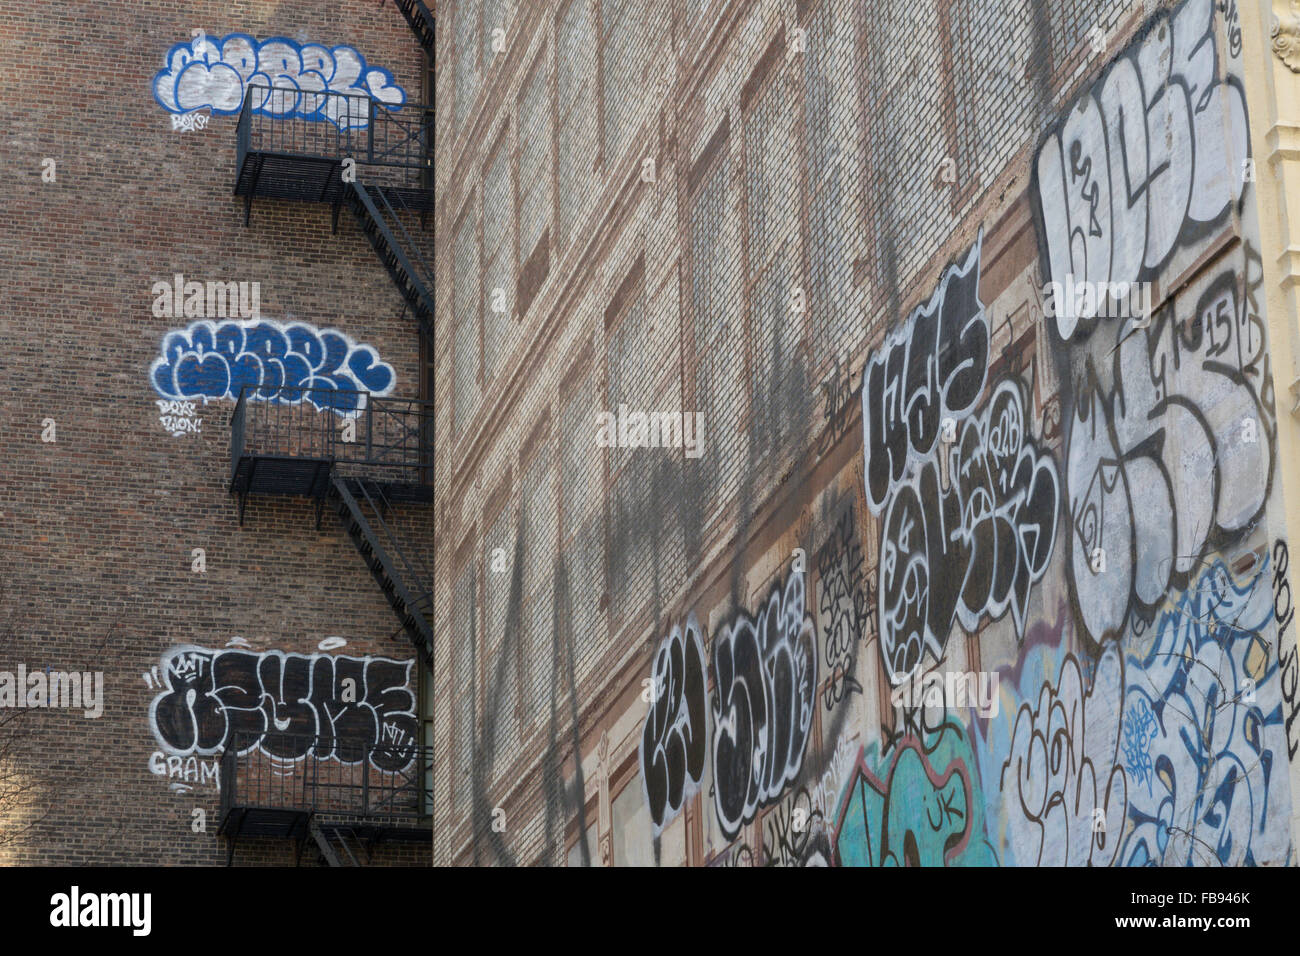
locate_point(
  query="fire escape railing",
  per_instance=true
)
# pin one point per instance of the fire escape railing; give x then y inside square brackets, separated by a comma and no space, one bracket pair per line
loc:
[292,122]
[380,438]
[395,145]
[363,779]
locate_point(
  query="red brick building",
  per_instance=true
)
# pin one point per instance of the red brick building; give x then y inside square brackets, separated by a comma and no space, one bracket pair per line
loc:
[973,306]
[258,651]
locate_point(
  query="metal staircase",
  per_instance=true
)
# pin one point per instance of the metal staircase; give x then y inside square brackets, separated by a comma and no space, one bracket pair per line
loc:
[291,440]
[326,837]
[378,211]
[421,21]
[346,149]
[397,566]
[343,150]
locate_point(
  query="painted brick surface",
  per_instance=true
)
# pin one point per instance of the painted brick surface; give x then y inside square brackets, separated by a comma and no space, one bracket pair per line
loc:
[831,228]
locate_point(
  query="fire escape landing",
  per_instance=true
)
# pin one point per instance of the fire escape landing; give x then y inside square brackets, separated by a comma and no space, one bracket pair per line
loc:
[357,455]
[343,796]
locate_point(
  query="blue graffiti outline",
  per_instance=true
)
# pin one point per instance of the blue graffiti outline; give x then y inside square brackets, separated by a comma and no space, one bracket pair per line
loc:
[198,55]
[322,356]
[1140,727]
[1214,606]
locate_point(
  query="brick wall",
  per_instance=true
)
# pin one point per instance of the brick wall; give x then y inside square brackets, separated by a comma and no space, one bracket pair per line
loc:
[749,199]
[98,526]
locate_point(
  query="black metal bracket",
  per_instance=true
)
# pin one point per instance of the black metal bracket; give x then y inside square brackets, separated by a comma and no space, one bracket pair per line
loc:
[329,178]
[243,495]
[248,199]
[233,838]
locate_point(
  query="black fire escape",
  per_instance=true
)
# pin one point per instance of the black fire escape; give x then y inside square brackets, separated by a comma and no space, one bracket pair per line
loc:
[358,456]
[346,150]
[421,22]
[343,796]
[367,459]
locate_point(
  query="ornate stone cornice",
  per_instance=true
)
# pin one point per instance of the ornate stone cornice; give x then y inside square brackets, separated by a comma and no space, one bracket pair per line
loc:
[1285,35]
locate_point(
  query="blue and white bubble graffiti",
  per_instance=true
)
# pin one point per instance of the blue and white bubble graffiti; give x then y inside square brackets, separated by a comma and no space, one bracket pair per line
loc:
[214,74]
[289,363]
[1209,772]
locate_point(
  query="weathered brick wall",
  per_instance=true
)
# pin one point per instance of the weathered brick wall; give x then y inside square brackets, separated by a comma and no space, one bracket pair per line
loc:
[755,205]
[98,526]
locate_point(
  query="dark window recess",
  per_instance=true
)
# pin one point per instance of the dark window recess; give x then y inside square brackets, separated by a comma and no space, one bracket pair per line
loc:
[625,290]
[531,277]
[710,152]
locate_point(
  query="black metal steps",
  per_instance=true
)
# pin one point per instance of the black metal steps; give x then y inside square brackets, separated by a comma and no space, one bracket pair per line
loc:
[326,837]
[420,20]
[375,209]
[410,602]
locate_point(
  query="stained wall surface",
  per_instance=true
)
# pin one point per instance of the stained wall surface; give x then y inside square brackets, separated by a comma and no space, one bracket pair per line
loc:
[982,558]
[115,410]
